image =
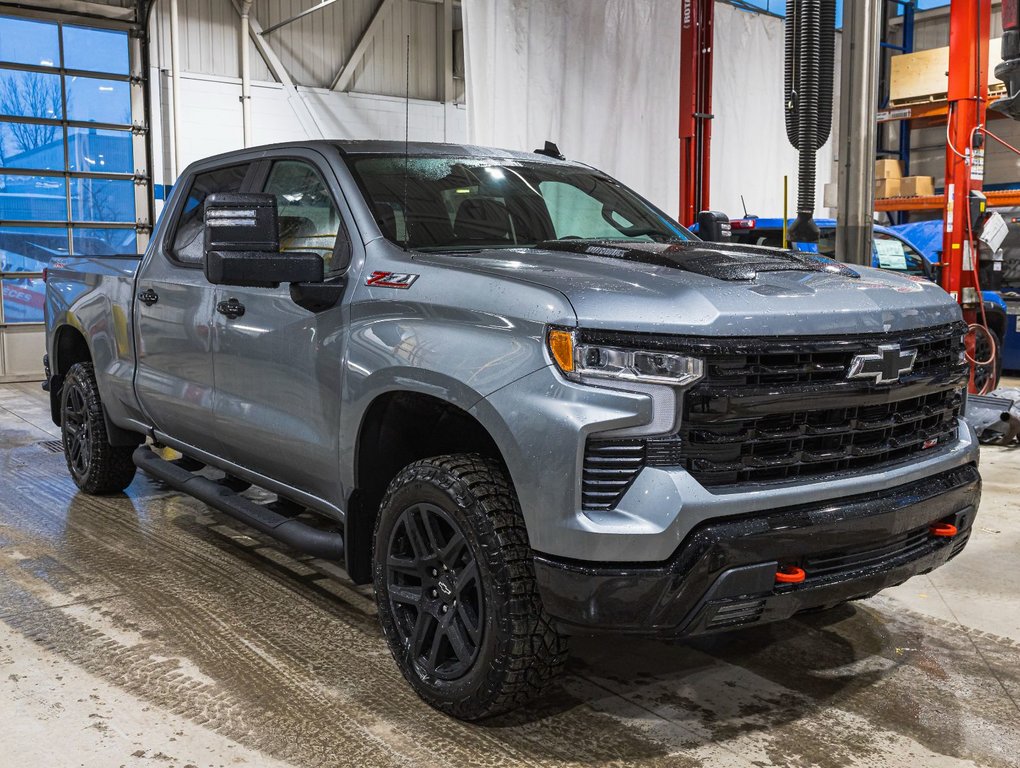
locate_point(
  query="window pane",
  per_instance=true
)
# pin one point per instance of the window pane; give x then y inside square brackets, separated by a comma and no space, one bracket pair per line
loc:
[23,300]
[33,198]
[28,249]
[309,220]
[99,242]
[92,100]
[575,213]
[29,42]
[102,200]
[32,145]
[96,50]
[99,151]
[30,94]
[191,227]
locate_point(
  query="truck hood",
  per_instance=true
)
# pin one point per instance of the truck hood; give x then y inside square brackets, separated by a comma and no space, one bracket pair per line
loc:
[713,289]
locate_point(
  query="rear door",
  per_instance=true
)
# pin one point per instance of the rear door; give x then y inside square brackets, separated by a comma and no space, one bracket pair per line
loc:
[173,313]
[278,366]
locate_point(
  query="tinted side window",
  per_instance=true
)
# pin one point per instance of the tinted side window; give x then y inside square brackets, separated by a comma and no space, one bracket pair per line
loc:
[309,219]
[187,247]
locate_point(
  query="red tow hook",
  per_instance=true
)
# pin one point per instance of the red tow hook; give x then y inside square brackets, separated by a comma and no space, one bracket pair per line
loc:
[946,530]
[790,574]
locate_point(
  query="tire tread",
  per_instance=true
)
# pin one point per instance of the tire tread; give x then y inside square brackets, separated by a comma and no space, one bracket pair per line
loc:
[534,653]
[112,468]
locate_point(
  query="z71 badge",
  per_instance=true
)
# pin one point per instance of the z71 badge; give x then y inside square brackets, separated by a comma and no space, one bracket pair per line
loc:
[391,280]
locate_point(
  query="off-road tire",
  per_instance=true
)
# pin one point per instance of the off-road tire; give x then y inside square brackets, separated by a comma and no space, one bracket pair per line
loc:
[96,467]
[519,651]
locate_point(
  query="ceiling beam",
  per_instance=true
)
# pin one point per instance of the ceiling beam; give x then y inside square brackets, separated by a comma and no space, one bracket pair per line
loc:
[285,22]
[343,78]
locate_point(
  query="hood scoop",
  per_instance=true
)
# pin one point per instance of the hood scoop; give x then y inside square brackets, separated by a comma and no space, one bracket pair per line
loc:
[729,262]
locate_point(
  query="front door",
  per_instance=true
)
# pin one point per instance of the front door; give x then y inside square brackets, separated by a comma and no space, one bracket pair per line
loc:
[278,366]
[173,313]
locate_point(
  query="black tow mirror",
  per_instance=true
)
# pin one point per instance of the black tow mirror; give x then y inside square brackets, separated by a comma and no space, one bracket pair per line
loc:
[242,245]
[714,226]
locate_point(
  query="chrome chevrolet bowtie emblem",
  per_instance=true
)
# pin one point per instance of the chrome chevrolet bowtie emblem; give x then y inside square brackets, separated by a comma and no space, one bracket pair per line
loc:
[886,365]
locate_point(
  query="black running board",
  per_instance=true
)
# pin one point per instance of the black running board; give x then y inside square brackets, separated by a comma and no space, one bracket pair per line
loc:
[328,545]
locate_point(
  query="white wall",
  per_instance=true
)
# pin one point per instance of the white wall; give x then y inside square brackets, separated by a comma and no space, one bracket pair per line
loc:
[750,152]
[209,102]
[601,79]
[597,78]
[211,117]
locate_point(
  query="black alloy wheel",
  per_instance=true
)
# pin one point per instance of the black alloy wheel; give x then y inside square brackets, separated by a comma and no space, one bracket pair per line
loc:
[96,466]
[435,592]
[455,587]
[77,431]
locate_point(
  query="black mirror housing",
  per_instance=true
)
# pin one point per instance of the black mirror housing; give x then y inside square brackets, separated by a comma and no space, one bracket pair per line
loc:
[714,226]
[242,245]
[257,269]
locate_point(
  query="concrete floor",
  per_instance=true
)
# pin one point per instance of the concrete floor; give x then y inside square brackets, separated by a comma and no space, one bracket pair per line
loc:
[147,630]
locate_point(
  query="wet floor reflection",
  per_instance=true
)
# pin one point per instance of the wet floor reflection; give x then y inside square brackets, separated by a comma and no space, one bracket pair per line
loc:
[182,607]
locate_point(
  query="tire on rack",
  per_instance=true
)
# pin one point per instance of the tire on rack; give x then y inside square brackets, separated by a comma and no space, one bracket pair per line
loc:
[455,587]
[96,466]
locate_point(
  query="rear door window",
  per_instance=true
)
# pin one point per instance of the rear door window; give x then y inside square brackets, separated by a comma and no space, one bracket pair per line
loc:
[188,235]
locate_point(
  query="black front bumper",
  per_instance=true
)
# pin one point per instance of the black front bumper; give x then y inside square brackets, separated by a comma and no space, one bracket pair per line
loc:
[723,574]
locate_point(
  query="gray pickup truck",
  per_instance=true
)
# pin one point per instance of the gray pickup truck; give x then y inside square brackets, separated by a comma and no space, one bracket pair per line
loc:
[520,399]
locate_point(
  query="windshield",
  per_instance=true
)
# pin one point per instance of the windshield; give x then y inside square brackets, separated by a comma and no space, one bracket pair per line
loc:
[452,203]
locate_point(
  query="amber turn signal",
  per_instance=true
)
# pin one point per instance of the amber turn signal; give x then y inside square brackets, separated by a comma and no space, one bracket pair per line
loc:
[561,347]
[790,574]
[947,530]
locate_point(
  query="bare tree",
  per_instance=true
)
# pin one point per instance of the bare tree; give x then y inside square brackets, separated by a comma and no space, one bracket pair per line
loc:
[30,94]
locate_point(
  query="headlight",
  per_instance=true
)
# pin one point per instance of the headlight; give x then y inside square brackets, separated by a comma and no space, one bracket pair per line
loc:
[580,362]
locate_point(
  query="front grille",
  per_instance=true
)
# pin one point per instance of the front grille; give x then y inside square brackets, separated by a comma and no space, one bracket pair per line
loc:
[771,410]
[786,363]
[720,448]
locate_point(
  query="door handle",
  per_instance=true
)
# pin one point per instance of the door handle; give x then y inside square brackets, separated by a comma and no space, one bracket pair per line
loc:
[232,308]
[148,297]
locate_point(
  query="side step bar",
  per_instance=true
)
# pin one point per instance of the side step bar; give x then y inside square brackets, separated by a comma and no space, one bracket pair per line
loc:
[301,536]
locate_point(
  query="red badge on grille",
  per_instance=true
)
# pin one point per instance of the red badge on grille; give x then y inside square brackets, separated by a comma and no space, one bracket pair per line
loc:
[931,442]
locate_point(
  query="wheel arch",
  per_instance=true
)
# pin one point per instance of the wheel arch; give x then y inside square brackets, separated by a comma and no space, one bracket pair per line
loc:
[399,427]
[69,347]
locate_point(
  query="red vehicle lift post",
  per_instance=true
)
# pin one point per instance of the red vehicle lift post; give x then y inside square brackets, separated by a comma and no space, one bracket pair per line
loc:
[969,33]
[696,44]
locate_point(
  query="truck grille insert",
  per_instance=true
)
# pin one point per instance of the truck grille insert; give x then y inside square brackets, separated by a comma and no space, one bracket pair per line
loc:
[773,410]
[609,469]
[727,448]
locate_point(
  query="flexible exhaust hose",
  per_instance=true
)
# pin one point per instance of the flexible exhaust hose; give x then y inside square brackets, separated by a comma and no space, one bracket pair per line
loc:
[808,73]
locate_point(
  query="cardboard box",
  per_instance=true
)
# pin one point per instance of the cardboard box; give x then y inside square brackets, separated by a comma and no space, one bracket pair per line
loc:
[887,188]
[888,169]
[913,186]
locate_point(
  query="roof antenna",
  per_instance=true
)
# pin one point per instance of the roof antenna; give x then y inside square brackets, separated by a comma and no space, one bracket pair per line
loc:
[550,150]
[743,205]
[407,128]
